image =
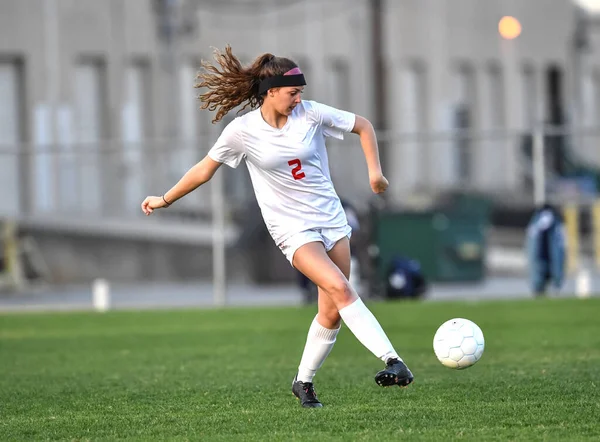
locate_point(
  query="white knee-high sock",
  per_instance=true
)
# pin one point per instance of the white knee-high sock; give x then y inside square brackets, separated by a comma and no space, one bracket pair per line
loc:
[367,330]
[319,343]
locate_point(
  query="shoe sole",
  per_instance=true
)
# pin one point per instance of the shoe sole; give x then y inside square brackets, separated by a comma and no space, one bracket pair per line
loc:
[389,380]
[298,399]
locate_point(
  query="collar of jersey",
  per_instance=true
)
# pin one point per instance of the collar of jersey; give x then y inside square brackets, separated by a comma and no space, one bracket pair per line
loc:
[268,126]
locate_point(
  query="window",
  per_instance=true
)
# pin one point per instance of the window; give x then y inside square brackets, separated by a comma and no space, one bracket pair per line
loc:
[530,97]
[555,113]
[11,113]
[340,156]
[463,116]
[596,114]
[338,76]
[407,109]
[492,150]
[89,95]
[135,127]
[191,123]
[590,99]
[187,100]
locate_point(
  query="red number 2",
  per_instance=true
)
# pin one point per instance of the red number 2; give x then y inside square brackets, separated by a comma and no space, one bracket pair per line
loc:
[296,170]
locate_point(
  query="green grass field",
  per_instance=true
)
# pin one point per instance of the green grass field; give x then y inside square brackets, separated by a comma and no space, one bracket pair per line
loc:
[226,374]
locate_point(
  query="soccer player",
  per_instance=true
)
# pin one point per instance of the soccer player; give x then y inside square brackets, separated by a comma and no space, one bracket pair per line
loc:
[282,141]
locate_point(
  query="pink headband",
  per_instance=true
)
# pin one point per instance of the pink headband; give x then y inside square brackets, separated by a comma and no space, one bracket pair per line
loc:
[295,71]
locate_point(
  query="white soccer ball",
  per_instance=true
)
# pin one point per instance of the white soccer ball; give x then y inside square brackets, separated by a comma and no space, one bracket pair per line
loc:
[458,343]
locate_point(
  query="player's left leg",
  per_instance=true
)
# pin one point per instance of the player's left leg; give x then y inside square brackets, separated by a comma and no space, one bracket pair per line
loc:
[319,343]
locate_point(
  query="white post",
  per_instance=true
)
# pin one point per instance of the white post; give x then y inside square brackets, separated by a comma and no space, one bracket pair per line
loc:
[583,284]
[101,295]
[539,166]
[218,242]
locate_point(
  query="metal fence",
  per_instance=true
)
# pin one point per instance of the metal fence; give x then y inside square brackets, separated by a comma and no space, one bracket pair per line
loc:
[108,180]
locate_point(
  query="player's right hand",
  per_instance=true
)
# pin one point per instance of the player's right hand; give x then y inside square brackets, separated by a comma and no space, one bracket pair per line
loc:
[151,203]
[379,183]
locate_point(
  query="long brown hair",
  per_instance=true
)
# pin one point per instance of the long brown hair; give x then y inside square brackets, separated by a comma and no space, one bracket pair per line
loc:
[234,84]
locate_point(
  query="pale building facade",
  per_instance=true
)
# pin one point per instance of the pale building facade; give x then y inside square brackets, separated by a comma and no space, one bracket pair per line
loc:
[97,110]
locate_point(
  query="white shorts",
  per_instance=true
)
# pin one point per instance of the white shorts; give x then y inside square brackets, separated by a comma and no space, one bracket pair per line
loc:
[329,237]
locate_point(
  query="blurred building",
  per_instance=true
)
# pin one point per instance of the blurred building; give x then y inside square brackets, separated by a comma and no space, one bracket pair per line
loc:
[97,107]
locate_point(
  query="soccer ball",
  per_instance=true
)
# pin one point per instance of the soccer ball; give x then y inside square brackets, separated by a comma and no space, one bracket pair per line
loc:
[458,343]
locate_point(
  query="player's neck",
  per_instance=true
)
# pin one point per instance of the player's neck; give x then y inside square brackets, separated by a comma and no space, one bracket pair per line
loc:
[272,117]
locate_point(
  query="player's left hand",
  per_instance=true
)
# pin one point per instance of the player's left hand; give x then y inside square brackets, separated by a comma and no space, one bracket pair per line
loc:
[379,183]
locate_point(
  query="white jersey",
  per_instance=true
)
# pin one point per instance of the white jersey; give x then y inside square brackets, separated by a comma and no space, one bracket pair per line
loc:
[288,167]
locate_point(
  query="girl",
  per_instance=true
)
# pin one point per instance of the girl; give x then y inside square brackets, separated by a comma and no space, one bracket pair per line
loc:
[282,141]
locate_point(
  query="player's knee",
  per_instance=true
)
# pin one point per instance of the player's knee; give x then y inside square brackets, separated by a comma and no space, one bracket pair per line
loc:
[339,290]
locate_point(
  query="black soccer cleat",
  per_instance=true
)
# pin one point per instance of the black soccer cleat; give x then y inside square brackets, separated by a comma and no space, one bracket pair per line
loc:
[395,373]
[305,392]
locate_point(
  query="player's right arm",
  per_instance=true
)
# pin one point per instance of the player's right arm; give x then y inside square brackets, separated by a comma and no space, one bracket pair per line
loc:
[199,174]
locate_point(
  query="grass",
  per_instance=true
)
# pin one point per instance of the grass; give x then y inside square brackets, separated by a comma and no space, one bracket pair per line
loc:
[225,375]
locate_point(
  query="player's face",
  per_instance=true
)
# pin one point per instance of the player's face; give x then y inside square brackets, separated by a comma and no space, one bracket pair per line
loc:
[287,98]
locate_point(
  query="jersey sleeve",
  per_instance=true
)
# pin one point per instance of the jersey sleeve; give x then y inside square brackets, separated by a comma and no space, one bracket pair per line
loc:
[335,122]
[229,148]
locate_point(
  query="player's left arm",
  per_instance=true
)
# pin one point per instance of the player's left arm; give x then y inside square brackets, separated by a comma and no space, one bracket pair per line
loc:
[364,129]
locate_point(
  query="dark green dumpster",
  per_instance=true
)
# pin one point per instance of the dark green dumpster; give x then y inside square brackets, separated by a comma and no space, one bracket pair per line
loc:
[450,243]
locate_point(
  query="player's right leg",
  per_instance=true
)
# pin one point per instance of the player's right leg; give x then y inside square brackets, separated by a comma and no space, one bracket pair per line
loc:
[318,265]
